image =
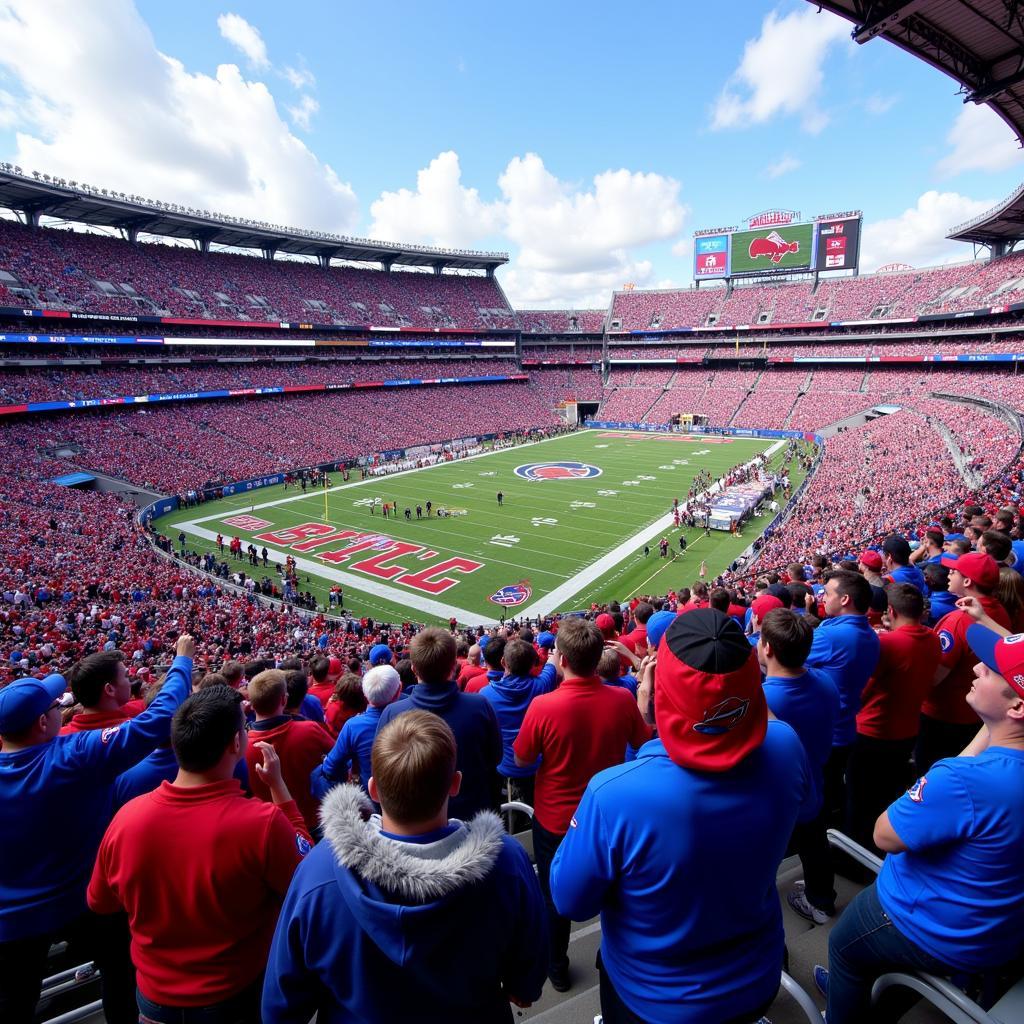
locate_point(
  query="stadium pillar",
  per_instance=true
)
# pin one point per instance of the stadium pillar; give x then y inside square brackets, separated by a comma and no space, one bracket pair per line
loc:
[387,263]
[438,267]
[268,251]
[31,214]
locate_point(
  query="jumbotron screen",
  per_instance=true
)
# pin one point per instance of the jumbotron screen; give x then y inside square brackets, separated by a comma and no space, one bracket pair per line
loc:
[772,250]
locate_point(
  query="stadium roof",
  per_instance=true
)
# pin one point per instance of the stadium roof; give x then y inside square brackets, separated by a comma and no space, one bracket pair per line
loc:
[980,45]
[1004,222]
[36,194]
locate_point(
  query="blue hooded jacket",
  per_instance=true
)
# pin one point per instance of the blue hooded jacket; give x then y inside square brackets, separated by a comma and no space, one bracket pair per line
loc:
[510,697]
[433,929]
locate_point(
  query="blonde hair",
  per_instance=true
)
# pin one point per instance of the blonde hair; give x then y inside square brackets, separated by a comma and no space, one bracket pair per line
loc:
[413,763]
[266,690]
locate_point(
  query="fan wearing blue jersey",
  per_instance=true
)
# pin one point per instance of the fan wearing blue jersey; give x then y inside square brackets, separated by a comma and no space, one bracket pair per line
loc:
[950,895]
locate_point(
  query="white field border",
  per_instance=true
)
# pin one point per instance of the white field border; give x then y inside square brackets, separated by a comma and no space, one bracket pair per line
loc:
[408,599]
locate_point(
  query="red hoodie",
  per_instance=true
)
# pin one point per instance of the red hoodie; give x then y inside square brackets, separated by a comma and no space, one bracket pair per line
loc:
[301,746]
[86,721]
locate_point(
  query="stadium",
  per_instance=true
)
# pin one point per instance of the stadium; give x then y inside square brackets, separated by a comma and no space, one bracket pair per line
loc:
[299,446]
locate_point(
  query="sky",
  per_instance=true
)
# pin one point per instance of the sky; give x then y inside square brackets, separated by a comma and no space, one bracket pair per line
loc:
[586,141]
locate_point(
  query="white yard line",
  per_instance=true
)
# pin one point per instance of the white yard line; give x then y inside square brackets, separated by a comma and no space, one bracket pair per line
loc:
[379,481]
[561,594]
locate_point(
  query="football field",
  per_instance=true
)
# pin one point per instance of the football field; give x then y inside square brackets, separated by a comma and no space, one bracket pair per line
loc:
[576,513]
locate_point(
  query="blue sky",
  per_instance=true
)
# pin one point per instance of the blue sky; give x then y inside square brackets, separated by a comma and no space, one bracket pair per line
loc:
[587,141]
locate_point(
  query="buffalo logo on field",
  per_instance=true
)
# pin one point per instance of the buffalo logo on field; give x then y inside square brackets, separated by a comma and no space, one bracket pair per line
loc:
[557,471]
[513,595]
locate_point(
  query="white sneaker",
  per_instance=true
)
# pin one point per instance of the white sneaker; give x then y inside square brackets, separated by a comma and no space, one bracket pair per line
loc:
[806,909]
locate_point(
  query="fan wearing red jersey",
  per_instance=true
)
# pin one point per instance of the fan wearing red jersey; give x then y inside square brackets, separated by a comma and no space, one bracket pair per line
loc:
[201,870]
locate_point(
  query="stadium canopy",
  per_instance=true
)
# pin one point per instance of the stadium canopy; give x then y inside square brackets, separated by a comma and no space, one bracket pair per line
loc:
[980,45]
[35,195]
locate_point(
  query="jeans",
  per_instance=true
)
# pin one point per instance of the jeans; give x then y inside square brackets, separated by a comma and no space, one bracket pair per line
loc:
[877,773]
[545,846]
[863,945]
[243,1008]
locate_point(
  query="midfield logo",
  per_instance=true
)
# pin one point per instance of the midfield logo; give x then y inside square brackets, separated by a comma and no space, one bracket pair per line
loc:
[557,471]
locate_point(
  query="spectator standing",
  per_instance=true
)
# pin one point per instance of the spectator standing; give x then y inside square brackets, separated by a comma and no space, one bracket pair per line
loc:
[890,713]
[716,796]
[898,568]
[845,647]
[410,915]
[510,696]
[55,795]
[201,870]
[578,730]
[324,675]
[473,666]
[470,717]
[100,683]
[300,745]
[947,721]
[382,686]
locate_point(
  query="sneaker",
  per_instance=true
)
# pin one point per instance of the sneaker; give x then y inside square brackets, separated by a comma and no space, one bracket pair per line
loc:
[821,979]
[799,902]
[559,978]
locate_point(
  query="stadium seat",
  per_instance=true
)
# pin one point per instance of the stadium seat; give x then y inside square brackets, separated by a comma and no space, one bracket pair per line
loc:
[938,991]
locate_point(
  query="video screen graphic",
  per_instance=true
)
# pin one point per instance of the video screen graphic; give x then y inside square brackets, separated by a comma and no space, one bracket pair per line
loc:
[772,250]
[710,257]
[838,244]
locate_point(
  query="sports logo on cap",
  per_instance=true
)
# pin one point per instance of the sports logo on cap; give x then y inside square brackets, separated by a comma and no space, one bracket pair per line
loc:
[722,717]
[513,595]
[557,471]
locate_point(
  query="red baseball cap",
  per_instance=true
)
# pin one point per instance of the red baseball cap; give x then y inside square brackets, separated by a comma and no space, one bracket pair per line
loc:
[977,567]
[336,668]
[708,701]
[872,559]
[764,604]
[1002,654]
[606,624]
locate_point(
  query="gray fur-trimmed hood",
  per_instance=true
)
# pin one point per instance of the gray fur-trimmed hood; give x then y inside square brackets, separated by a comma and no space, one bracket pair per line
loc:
[416,874]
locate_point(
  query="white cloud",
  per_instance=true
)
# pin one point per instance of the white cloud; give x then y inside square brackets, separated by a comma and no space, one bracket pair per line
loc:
[918,235]
[244,37]
[573,244]
[781,71]
[684,248]
[302,113]
[300,77]
[100,104]
[878,104]
[782,166]
[576,244]
[979,141]
[441,211]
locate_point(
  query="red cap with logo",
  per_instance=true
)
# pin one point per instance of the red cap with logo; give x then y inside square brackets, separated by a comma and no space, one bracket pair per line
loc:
[1002,654]
[977,567]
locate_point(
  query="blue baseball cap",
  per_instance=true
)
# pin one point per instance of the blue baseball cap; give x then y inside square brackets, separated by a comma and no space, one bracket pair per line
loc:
[546,640]
[657,626]
[24,700]
[380,654]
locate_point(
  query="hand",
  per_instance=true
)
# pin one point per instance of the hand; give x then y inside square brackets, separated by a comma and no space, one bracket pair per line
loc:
[972,606]
[270,770]
[185,647]
[516,1001]
[810,602]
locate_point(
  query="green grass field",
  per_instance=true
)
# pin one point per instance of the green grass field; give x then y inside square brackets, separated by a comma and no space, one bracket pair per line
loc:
[572,541]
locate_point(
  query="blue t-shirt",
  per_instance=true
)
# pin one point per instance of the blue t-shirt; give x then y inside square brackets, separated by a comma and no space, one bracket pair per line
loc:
[958,891]
[909,574]
[681,866]
[809,703]
[1018,550]
[846,648]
